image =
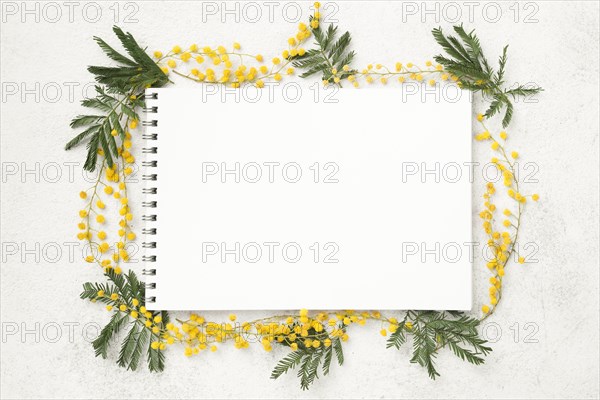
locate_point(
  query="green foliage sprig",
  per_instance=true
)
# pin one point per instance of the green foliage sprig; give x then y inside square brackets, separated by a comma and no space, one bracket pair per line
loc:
[465,59]
[308,358]
[330,55]
[126,290]
[119,94]
[434,330]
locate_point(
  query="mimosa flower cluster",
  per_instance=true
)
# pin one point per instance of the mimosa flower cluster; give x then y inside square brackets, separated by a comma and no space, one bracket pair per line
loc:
[109,193]
[502,230]
[382,74]
[232,66]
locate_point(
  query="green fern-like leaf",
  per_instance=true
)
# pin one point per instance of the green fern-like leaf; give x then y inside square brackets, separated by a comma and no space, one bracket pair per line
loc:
[432,331]
[310,370]
[141,341]
[331,53]
[138,340]
[128,345]
[308,359]
[339,351]
[287,363]
[398,337]
[156,357]
[121,91]
[465,59]
[113,54]
[327,357]
[102,342]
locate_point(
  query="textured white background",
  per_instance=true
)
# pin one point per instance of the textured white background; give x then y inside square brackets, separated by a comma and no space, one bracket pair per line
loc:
[557,296]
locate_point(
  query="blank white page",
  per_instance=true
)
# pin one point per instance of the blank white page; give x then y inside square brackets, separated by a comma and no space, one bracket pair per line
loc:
[268,202]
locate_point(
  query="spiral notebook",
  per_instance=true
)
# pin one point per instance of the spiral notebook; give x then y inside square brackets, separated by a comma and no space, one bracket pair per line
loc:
[294,197]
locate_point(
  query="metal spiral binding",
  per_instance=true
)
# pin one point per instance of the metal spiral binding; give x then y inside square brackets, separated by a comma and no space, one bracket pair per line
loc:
[150,203]
[148,272]
[151,96]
